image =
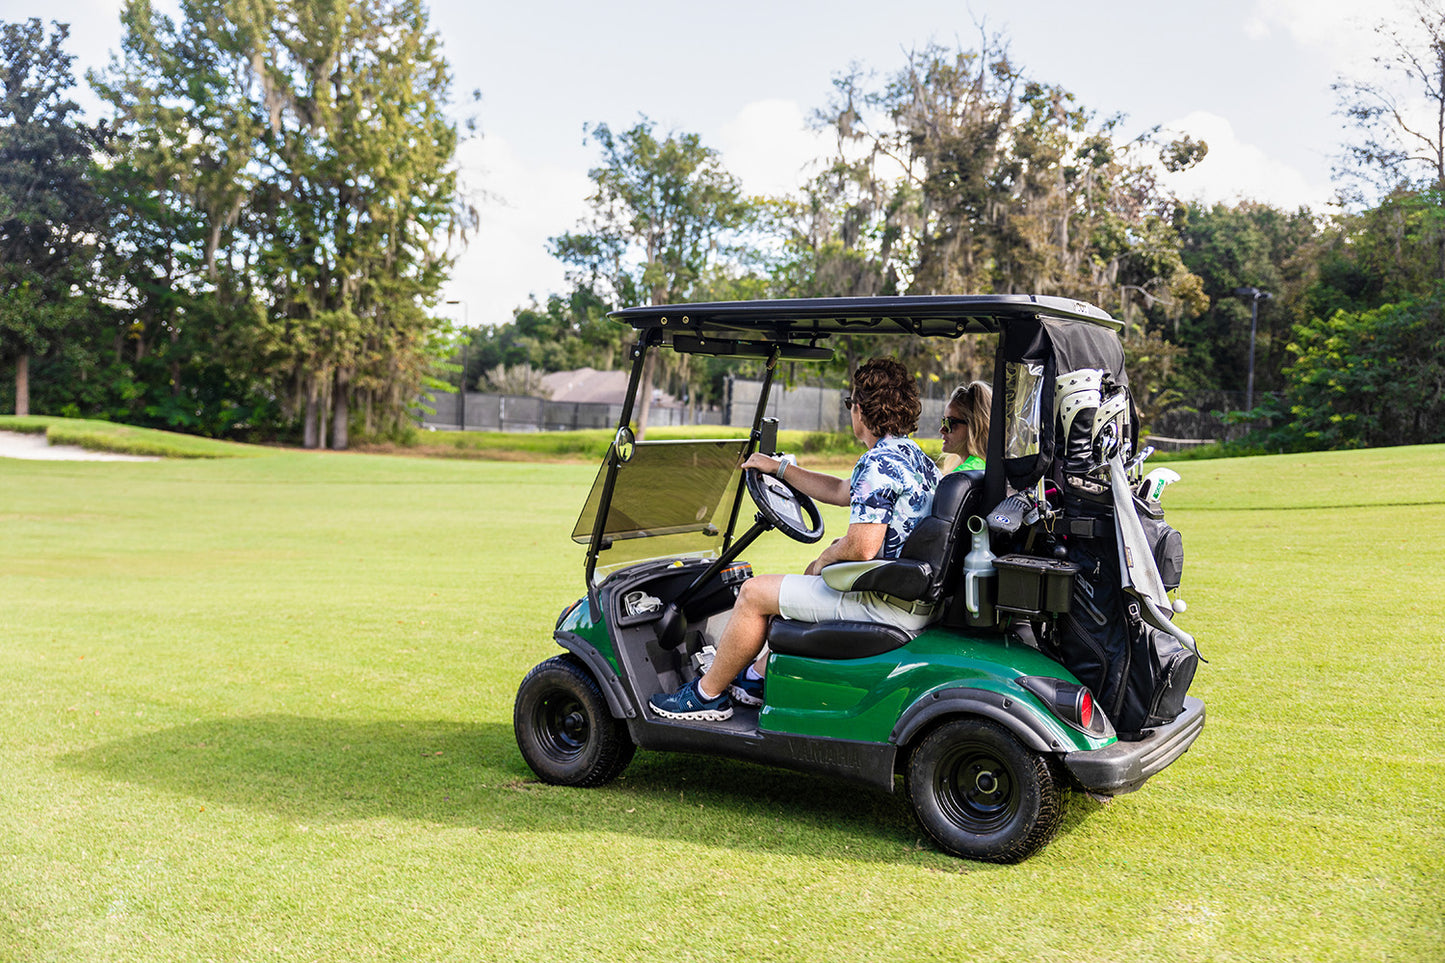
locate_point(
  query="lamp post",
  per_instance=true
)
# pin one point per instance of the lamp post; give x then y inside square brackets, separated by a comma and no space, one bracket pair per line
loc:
[462,395]
[1255,295]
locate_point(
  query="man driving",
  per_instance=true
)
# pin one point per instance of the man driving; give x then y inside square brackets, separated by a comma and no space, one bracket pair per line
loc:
[890,489]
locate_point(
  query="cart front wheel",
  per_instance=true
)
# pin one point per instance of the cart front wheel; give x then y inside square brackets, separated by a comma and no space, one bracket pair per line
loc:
[564,729]
[981,795]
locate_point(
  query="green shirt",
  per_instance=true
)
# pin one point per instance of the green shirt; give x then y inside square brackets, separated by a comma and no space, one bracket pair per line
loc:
[971,463]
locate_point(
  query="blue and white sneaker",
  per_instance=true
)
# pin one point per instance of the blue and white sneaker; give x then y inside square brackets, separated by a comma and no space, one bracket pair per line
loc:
[748,692]
[688,703]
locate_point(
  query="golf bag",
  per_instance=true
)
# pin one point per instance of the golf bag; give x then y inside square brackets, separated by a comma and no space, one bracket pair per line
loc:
[1116,637]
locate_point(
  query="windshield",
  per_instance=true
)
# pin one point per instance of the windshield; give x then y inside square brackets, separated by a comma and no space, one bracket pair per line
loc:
[673,498]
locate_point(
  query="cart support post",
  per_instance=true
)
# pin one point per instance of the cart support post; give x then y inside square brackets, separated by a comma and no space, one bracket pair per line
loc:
[755,436]
[594,546]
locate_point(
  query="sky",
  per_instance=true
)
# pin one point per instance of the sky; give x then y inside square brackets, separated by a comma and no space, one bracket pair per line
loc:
[1251,77]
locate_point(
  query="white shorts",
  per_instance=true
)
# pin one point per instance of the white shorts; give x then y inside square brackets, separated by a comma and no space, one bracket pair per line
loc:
[807,598]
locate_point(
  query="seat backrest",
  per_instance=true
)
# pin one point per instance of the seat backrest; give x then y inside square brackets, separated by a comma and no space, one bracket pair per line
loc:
[935,540]
[929,562]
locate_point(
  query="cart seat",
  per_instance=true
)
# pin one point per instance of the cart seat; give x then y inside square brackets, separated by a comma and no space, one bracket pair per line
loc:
[837,639]
[924,573]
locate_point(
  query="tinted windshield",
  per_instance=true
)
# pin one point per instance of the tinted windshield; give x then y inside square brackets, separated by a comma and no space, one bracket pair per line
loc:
[673,498]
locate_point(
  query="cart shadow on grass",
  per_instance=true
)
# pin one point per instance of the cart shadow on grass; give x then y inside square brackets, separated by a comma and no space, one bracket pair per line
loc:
[338,770]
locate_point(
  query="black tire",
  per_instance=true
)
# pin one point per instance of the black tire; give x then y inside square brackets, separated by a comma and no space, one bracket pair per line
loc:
[981,795]
[564,729]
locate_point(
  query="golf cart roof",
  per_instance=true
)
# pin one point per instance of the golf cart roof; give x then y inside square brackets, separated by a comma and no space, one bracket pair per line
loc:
[690,327]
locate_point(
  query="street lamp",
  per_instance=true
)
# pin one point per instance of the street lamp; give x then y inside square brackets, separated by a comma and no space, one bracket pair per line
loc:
[462,395]
[1255,296]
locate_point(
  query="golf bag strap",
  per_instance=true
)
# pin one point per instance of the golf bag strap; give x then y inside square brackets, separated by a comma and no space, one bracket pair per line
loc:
[1086,527]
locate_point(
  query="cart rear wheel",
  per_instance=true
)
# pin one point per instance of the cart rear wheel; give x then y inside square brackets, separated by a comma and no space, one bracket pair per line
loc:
[564,729]
[981,795]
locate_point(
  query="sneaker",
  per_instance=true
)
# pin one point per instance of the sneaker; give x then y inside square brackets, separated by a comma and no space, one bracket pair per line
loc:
[688,703]
[747,691]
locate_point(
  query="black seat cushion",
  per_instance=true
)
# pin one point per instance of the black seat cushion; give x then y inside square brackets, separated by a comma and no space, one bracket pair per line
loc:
[836,639]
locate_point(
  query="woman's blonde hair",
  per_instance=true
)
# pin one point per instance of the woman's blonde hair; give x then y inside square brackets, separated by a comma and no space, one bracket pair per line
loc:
[974,401]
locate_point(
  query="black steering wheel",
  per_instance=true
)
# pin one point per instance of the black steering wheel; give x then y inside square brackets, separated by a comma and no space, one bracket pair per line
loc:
[784,507]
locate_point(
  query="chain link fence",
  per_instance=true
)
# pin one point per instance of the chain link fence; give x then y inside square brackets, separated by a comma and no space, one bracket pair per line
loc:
[1200,420]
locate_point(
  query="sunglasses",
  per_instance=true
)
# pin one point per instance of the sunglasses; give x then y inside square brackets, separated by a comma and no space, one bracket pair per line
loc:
[951,423]
[849,400]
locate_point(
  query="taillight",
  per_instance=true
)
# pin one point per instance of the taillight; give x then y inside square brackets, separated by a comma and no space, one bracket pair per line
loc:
[1071,702]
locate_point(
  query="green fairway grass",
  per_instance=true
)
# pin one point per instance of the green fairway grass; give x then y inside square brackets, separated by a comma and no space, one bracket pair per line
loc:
[260,709]
[108,436]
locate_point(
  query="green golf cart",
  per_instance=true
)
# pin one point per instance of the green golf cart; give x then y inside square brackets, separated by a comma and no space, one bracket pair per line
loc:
[1053,661]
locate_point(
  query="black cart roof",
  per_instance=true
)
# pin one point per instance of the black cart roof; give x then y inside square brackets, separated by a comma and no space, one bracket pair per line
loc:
[813,319]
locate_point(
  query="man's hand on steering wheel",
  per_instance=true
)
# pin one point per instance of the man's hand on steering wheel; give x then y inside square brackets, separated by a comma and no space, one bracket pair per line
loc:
[781,505]
[763,463]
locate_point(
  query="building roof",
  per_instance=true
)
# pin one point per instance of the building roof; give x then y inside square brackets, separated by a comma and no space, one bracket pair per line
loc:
[591,385]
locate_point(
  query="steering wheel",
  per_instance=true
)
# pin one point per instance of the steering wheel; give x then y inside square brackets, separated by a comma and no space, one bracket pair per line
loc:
[784,507]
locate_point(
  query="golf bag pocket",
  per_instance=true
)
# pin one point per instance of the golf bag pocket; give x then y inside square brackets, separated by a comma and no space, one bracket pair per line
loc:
[1093,639]
[1160,672]
[1165,542]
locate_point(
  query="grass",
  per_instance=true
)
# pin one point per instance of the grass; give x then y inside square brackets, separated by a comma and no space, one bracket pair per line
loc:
[260,709]
[124,439]
[589,445]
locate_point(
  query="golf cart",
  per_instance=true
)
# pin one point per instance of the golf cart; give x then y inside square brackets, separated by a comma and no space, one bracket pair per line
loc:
[1053,661]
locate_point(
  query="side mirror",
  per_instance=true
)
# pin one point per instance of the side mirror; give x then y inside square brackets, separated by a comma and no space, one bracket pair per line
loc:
[624,445]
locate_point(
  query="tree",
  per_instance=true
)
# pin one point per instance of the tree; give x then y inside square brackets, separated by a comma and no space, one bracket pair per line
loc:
[49,213]
[1399,116]
[1248,244]
[313,160]
[1371,378]
[960,175]
[666,216]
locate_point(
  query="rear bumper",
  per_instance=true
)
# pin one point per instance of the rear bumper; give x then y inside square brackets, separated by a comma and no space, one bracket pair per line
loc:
[1125,766]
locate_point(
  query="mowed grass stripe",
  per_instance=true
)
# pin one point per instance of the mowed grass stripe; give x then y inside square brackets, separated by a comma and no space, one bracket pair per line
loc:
[261,709]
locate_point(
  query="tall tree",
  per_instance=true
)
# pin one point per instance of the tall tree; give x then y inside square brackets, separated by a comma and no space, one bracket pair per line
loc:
[960,175]
[665,218]
[1245,245]
[1399,114]
[1399,119]
[49,213]
[312,151]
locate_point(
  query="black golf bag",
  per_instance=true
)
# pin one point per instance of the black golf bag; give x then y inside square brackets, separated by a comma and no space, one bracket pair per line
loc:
[1065,409]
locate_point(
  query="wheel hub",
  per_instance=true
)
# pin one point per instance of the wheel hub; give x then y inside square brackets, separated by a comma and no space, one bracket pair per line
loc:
[562,727]
[974,790]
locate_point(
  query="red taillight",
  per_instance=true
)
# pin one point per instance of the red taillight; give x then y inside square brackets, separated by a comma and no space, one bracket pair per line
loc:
[1086,709]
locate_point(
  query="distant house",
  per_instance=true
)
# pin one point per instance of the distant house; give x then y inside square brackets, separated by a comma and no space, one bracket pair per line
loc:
[591,385]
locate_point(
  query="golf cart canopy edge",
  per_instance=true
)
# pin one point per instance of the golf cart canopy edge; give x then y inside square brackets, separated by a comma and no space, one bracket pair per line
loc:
[735,327]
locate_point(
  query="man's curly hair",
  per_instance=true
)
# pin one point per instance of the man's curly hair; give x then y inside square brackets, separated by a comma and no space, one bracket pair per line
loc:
[888,397]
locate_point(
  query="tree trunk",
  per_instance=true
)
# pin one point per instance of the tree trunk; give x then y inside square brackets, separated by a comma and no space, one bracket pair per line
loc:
[311,423]
[340,415]
[22,384]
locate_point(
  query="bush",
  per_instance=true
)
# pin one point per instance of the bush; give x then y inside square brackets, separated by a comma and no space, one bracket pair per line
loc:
[1370,379]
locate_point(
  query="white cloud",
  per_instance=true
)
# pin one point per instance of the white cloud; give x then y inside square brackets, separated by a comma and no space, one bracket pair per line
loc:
[769,147]
[1235,171]
[521,206]
[1341,30]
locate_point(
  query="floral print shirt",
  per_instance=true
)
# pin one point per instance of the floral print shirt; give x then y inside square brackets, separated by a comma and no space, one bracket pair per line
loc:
[892,483]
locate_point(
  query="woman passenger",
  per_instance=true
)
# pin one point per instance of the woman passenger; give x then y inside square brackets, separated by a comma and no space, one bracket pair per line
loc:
[965,427]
